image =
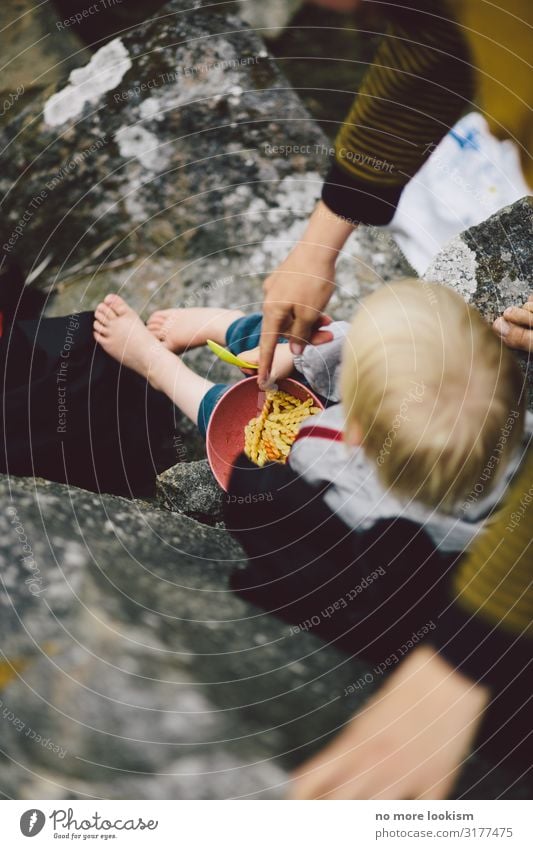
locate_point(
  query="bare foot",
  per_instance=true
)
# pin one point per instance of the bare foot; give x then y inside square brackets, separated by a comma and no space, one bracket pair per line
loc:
[122,335]
[180,329]
[516,326]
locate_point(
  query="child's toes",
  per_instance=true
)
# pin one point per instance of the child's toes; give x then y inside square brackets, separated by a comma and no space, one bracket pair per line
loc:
[99,328]
[103,313]
[116,303]
[154,328]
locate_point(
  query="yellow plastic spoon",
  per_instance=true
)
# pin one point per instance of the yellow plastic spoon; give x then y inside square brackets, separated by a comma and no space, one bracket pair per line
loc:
[227,356]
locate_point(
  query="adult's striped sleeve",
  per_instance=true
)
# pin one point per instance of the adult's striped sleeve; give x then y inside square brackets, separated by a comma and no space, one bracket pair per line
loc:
[416,88]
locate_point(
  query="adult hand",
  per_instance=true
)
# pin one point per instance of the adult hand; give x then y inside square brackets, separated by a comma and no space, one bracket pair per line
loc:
[408,742]
[298,291]
[516,326]
[283,360]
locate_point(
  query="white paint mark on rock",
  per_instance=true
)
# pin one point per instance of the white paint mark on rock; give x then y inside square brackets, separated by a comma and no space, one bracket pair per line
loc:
[139,143]
[87,84]
[456,266]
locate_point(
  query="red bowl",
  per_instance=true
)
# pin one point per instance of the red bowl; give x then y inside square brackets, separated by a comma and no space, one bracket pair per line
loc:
[225,431]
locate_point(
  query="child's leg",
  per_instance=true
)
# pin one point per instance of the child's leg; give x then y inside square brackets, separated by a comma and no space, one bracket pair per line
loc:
[180,329]
[244,333]
[122,334]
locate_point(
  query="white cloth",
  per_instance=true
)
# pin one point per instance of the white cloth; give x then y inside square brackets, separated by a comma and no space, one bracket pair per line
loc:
[358,497]
[321,364]
[467,178]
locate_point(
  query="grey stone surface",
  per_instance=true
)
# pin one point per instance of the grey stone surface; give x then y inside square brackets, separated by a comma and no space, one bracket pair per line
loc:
[134,661]
[131,670]
[36,53]
[173,194]
[268,19]
[491,265]
[165,180]
[191,488]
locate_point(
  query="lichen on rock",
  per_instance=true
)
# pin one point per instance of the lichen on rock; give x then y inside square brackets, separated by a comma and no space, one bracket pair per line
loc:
[127,655]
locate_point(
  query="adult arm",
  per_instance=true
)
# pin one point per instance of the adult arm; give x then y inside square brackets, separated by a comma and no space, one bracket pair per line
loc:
[413,93]
[471,688]
[408,742]
[296,294]
[486,628]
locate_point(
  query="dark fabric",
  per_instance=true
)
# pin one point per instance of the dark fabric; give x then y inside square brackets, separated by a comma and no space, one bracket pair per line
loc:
[417,86]
[244,333]
[487,654]
[16,299]
[303,560]
[503,662]
[208,404]
[114,433]
[97,22]
[357,201]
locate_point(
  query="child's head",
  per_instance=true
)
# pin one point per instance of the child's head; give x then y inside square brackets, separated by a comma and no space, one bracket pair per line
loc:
[430,392]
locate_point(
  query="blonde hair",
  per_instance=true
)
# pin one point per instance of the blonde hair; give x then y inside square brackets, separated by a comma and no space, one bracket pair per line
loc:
[436,397]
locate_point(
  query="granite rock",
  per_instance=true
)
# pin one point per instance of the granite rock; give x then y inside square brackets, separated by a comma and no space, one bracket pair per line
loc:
[131,670]
[177,166]
[55,52]
[491,266]
[191,488]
